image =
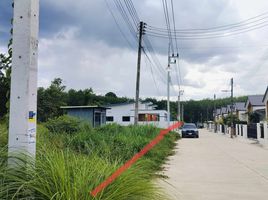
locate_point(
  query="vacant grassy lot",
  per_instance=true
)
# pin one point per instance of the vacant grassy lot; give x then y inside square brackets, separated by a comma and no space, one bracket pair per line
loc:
[69,164]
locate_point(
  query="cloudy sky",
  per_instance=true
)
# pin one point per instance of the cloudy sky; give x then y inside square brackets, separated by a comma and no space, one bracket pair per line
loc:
[81,43]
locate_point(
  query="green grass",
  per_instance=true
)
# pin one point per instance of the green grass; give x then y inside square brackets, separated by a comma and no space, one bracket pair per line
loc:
[3,134]
[69,165]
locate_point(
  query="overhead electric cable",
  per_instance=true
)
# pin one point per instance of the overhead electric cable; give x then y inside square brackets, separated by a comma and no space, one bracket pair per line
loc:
[118,26]
[191,37]
[217,28]
[126,18]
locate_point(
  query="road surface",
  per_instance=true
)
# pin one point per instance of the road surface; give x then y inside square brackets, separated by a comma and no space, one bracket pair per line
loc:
[215,167]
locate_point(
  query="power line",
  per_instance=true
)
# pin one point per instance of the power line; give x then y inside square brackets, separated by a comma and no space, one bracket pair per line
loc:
[166,14]
[125,17]
[174,26]
[152,73]
[132,9]
[210,33]
[191,37]
[216,28]
[178,74]
[155,59]
[118,26]
[131,12]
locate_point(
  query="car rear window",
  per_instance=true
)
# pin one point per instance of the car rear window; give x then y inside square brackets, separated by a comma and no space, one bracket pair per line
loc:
[189,126]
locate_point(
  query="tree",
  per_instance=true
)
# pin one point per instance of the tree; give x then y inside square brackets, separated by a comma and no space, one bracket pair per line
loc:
[5,70]
[254,117]
[228,120]
[110,94]
[50,100]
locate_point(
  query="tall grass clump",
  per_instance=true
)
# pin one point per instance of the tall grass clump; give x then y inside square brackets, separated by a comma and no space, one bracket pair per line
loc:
[73,158]
[3,134]
[65,175]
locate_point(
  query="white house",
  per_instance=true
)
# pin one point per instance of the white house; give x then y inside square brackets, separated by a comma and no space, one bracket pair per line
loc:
[123,114]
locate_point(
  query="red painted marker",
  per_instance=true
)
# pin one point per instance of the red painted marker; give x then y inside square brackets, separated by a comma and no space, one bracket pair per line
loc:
[128,164]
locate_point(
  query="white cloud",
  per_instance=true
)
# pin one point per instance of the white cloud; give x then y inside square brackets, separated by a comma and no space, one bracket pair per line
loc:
[81,44]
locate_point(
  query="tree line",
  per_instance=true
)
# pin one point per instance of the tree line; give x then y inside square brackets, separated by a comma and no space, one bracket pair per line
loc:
[50,99]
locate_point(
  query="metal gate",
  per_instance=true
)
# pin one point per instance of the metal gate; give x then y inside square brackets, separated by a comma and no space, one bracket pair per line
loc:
[262,130]
[252,131]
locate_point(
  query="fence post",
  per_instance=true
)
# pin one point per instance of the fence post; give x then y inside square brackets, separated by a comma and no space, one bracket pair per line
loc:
[265,132]
[245,131]
[258,131]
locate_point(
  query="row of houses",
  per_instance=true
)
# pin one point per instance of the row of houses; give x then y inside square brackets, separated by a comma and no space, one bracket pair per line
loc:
[122,113]
[257,104]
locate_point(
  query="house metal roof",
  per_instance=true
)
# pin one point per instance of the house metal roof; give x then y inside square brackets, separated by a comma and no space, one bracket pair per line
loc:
[133,102]
[255,100]
[223,110]
[81,107]
[240,106]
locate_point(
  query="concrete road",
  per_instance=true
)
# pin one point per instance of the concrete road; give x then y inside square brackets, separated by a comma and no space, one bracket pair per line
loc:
[215,167]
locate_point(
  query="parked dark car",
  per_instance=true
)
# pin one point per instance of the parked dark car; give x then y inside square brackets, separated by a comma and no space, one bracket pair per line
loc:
[189,130]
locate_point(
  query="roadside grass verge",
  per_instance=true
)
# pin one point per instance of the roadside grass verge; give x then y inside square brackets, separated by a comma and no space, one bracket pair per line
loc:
[70,164]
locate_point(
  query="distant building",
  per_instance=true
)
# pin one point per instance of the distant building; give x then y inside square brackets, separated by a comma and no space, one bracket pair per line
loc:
[224,112]
[240,111]
[95,115]
[123,114]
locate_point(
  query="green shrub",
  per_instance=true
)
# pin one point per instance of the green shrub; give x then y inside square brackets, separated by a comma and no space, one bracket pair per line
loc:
[63,124]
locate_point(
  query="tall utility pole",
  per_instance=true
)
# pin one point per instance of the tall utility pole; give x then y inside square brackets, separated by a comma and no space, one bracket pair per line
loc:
[182,112]
[141,33]
[23,99]
[168,93]
[232,106]
[179,104]
[170,61]
[215,113]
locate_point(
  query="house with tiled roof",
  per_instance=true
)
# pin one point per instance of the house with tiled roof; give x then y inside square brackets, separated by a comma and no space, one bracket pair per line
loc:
[255,104]
[240,111]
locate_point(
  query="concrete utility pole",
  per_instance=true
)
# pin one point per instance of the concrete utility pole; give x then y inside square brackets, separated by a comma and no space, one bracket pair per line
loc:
[168,80]
[215,113]
[141,33]
[179,104]
[232,106]
[23,99]
[182,112]
[168,94]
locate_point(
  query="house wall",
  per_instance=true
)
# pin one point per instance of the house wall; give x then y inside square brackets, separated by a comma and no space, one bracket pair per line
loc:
[117,112]
[266,110]
[254,108]
[84,114]
[266,105]
[242,116]
[89,115]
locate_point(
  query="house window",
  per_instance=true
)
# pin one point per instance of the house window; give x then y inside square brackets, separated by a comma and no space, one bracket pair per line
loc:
[110,119]
[126,118]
